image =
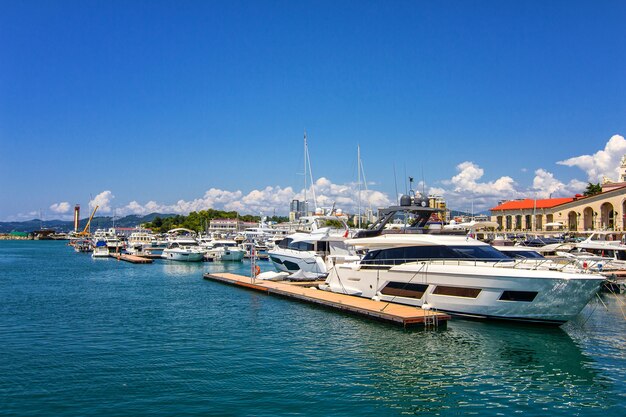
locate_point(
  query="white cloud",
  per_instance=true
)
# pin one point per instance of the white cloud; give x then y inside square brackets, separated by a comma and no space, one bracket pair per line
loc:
[546,186]
[343,196]
[467,181]
[466,189]
[60,208]
[103,201]
[604,162]
[269,200]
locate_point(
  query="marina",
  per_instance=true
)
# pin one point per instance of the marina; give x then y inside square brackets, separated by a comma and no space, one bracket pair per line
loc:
[303,209]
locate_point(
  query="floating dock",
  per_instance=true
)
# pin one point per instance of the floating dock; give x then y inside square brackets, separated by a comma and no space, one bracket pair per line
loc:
[131,258]
[406,316]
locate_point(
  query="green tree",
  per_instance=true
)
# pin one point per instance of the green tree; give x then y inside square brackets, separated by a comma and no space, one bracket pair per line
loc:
[592,189]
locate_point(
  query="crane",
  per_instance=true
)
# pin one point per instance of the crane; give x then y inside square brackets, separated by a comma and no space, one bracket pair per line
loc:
[85,231]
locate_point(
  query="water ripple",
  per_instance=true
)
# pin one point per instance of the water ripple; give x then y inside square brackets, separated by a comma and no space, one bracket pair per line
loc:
[104,337]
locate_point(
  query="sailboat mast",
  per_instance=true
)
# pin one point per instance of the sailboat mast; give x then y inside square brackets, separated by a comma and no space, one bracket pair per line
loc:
[305,158]
[358,162]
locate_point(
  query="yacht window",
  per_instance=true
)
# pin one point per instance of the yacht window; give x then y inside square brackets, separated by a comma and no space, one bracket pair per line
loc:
[403,289]
[522,254]
[395,256]
[621,255]
[285,243]
[322,246]
[479,252]
[527,296]
[457,291]
[302,246]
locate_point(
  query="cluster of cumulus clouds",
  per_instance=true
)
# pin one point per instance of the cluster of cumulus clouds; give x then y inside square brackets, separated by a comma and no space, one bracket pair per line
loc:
[465,188]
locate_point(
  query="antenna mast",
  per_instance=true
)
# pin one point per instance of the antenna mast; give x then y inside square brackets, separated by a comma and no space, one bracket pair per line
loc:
[395,180]
[305,154]
[307,159]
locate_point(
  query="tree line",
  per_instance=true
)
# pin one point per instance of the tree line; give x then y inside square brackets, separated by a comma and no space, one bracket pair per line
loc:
[199,221]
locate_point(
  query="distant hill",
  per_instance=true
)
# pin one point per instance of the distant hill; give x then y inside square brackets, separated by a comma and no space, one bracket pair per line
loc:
[100,222]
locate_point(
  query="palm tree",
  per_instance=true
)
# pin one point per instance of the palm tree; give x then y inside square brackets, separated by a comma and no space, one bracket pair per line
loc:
[592,189]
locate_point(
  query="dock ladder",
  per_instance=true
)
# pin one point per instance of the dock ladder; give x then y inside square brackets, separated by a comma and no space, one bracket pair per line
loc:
[431,321]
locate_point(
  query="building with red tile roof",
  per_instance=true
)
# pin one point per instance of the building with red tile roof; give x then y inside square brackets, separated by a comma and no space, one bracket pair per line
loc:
[602,211]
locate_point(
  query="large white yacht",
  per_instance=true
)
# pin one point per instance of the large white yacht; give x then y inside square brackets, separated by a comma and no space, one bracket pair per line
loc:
[306,253]
[458,274]
[182,246]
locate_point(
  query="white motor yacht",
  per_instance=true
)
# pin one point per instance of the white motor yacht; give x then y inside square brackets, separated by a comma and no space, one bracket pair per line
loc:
[113,243]
[308,254]
[459,274]
[182,246]
[100,250]
[605,244]
[225,250]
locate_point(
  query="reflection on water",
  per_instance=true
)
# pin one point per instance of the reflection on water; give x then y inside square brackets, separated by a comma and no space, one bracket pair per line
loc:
[180,268]
[489,368]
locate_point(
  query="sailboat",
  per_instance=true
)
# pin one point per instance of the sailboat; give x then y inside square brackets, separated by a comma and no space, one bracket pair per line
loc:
[318,243]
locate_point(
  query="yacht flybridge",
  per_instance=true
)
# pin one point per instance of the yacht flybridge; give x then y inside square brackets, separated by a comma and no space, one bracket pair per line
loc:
[458,274]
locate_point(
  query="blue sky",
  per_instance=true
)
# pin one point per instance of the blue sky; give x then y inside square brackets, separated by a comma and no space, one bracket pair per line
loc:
[164,105]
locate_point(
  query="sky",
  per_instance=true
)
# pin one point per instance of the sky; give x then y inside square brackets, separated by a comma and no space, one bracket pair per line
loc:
[170,106]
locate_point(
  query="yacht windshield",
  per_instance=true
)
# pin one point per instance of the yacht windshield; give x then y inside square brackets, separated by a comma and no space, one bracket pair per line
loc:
[523,254]
[396,256]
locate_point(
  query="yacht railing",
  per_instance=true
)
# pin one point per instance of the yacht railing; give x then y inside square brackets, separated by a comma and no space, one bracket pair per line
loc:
[553,264]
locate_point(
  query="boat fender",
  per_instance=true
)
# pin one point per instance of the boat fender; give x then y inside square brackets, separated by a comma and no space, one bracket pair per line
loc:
[257,270]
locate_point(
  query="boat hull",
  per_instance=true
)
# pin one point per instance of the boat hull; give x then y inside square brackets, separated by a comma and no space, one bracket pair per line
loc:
[184,256]
[482,292]
[292,261]
[232,255]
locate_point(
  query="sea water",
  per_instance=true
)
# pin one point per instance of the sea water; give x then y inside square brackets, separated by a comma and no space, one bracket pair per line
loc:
[83,336]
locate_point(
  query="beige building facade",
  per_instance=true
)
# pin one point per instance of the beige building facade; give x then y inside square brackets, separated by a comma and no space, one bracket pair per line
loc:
[603,211]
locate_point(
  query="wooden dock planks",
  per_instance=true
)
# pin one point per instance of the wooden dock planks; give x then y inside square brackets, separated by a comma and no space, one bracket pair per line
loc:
[131,258]
[404,315]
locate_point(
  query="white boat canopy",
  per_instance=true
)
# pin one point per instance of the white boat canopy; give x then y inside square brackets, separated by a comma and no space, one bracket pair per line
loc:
[554,224]
[180,229]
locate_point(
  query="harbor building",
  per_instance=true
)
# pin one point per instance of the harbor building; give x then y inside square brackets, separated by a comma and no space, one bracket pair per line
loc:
[297,209]
[603,211]
[225,225]
[437,202]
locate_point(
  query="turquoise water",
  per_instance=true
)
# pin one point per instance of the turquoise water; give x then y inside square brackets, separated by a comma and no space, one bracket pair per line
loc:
[80,336]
